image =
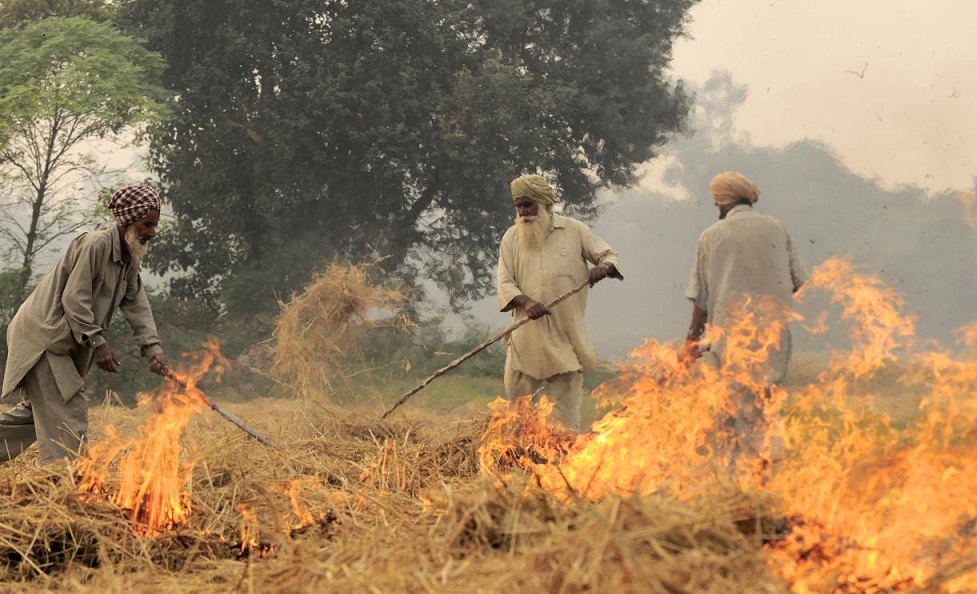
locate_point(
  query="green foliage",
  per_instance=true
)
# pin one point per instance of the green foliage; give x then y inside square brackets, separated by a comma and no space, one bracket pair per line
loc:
[461,395]
[429,347]
[9,293]
[398,361]
[254,292]
[391,128]
[17,13]
[64,82]
[10,288]
[84,77]
[392,358]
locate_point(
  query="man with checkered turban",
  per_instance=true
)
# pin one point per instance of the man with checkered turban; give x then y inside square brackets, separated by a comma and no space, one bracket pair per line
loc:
[541,257]
[59,330]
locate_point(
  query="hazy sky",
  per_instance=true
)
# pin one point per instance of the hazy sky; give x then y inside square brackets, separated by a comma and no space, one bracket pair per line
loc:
[888,84]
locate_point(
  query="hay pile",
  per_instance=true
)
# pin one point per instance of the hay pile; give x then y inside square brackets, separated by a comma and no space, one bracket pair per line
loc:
[319,334]
[354,505]
[349,504]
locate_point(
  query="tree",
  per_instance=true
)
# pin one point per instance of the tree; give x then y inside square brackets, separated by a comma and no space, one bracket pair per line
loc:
[64,83]
[390,128]
[17,13]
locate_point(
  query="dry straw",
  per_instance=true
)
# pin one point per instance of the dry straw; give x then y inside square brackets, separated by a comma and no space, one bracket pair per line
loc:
[354,505]
[349,504]
[320,332]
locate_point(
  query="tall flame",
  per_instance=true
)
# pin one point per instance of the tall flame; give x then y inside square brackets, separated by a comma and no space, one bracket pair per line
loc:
[869,503]
[146,475]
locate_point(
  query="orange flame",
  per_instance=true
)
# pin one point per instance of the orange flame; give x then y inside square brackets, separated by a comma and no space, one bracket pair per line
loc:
[303,514]
[146,475]
[262,526]
[869,504]
[969,201]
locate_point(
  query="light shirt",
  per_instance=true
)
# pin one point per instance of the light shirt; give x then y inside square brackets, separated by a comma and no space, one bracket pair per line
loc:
[557,343]
[747,254]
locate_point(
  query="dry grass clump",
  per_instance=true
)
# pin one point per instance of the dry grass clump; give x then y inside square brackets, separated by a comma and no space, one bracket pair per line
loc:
[319,333]
[650,544]
[47,526]
[348,504]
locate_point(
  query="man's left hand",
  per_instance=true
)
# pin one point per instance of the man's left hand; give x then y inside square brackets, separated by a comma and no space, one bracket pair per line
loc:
[158,364]
[598,273]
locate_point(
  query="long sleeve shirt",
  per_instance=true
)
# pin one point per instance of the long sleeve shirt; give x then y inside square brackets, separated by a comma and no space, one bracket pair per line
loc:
[67,314]
[557,343]
[747,255]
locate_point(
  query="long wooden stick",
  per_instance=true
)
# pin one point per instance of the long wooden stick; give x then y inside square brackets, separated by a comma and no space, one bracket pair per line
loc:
[169,374]
[478,349]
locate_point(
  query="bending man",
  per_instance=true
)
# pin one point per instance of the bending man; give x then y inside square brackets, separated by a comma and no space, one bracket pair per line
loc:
[59,330]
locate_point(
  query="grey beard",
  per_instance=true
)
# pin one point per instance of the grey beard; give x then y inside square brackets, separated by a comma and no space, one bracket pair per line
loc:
[532,233]
[137,249]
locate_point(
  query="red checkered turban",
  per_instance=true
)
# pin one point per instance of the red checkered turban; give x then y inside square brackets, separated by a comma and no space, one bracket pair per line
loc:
[133,203]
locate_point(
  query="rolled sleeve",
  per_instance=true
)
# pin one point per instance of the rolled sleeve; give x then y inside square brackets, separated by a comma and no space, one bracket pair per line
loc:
[95,340]
[697,290]
[598,251]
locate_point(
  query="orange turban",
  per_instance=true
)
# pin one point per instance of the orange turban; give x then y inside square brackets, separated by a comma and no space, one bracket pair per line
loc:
[730,186]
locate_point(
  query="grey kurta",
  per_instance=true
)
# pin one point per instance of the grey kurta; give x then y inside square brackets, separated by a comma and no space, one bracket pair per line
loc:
[68,312]
[557,343]
[747,254]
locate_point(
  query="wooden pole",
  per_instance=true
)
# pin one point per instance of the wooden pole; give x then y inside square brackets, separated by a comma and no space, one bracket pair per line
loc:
[478,349]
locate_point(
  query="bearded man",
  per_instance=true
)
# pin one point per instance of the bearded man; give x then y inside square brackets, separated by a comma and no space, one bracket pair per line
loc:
[541,257]
[59,330]
[745,264]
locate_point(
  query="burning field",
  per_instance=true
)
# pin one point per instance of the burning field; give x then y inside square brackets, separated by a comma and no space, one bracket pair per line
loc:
[862,480]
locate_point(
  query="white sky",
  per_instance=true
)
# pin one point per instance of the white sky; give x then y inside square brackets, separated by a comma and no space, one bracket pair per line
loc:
[910,118]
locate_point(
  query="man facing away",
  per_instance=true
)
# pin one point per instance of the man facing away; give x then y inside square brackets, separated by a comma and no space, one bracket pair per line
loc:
[541,257]
[746,259]
[59,331]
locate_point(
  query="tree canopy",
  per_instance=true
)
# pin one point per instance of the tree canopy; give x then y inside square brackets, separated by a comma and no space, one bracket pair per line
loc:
[18,13]
[63,82]
[307,130]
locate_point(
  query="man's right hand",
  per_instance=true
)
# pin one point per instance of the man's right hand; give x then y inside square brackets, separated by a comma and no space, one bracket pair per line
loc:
[689,352]
[534,309]
[105,358]
[158,365]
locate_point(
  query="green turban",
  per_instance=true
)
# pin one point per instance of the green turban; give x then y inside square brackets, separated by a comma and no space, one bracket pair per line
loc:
[535,188]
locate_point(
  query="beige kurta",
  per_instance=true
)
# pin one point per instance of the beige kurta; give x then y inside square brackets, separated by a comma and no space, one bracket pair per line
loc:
[747,254]
[68,312]
[557,343]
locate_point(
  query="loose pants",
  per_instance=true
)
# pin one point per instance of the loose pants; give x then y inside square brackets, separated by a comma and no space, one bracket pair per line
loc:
[564,389]
[57,425]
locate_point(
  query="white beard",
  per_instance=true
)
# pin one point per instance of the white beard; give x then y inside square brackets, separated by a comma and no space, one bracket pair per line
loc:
[531,231]
[137,248]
